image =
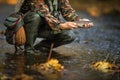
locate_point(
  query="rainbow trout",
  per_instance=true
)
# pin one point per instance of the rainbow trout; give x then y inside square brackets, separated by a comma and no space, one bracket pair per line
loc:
[81,24]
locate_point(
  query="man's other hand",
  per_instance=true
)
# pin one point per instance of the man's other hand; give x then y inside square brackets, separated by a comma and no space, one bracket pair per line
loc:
[68,25]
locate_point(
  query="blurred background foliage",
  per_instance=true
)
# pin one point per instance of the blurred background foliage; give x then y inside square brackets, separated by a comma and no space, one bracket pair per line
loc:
[93,7]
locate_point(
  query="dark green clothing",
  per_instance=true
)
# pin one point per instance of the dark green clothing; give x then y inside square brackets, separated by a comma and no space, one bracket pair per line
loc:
[42,20]
[35,26]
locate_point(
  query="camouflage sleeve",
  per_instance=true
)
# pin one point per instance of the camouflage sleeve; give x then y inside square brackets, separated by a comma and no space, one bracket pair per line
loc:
[43,10]
[68,12]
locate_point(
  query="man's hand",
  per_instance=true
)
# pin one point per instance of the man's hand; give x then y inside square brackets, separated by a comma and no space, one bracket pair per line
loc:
[84,23]
[68,25]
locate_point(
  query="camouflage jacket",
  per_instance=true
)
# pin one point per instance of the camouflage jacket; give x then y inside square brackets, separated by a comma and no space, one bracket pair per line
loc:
[46,8]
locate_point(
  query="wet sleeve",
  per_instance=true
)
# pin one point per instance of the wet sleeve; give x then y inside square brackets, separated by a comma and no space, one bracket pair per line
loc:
[43,10]
[68,12]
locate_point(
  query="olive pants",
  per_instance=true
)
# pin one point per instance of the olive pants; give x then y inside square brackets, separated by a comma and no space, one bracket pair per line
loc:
[36,26]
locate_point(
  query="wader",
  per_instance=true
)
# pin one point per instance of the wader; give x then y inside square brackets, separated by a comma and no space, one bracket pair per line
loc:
[35,26]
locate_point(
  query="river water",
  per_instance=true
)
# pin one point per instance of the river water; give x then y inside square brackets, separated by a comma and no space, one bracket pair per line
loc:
[91,45]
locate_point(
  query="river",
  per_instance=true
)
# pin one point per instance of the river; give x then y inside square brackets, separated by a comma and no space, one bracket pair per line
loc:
[91,45]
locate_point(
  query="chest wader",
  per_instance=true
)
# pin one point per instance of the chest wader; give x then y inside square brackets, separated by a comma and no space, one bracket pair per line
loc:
[32,22]
[58,38]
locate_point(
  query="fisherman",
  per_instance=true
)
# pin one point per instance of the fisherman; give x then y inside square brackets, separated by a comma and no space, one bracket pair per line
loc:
[42,19]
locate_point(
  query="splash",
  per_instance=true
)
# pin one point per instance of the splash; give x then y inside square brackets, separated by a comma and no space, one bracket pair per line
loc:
[52,65]
[105,66]
[51,70]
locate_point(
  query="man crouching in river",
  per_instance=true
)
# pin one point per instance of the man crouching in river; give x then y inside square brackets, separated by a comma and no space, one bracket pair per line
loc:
[42,19]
